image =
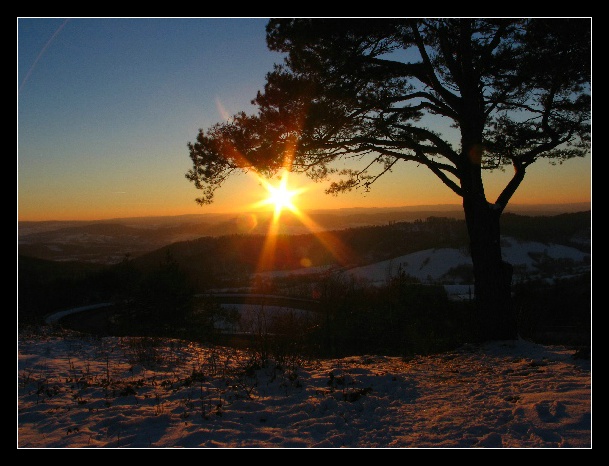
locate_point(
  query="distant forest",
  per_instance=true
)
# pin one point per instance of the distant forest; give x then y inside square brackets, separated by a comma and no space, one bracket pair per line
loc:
[228,261]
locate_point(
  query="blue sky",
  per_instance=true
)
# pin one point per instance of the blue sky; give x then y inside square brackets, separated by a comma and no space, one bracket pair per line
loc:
[110,105]
[106,107]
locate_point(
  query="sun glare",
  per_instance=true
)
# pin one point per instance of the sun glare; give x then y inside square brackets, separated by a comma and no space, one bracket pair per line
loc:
[280,196]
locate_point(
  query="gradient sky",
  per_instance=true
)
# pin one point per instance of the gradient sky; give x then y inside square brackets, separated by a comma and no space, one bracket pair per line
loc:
[106,107]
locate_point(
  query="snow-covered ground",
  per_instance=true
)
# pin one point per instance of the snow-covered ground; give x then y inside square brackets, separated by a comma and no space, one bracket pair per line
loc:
[127,392]
[519,252]
[429,264]
[432,265]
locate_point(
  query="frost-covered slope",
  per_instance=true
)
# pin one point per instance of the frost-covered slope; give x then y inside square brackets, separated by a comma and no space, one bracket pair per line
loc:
[127,392]
[428,264]
[431,265]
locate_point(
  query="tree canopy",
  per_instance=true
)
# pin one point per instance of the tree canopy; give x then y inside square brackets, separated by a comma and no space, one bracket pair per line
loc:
[518,90]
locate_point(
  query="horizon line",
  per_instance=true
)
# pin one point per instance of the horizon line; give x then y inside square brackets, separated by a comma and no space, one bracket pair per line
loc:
[416,206]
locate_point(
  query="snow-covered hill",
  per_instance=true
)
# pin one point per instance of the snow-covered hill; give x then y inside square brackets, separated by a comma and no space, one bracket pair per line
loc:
[131,392]
[433,265]
[427,265]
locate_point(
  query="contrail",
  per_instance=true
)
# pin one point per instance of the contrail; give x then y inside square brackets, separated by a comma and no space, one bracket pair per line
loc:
[41,53]
[223,113]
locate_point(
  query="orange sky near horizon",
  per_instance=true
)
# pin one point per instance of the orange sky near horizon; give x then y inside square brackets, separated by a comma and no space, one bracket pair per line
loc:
[406,186]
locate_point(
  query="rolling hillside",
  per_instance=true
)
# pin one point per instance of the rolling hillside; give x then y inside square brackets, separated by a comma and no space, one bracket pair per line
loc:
[432,250]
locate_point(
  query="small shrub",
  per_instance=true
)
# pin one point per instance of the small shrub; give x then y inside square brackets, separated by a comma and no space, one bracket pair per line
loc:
[144,350]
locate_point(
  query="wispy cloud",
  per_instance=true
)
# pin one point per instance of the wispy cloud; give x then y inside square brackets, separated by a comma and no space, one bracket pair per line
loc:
[223,113]
[46,46]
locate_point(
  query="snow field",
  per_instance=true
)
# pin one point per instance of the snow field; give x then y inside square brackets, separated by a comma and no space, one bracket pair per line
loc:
[112,392]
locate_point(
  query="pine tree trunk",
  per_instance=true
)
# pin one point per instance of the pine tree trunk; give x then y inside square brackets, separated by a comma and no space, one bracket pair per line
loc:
[492,276]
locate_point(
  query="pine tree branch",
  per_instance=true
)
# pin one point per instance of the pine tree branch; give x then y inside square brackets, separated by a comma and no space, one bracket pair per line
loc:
[510,189]
[451,99]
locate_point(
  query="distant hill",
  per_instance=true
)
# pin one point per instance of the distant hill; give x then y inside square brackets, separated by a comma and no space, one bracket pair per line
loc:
[573,229]
[46,270]
[232,260]
[109,241]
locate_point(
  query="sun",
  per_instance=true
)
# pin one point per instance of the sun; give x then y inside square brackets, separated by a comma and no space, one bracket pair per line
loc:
[281,196]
